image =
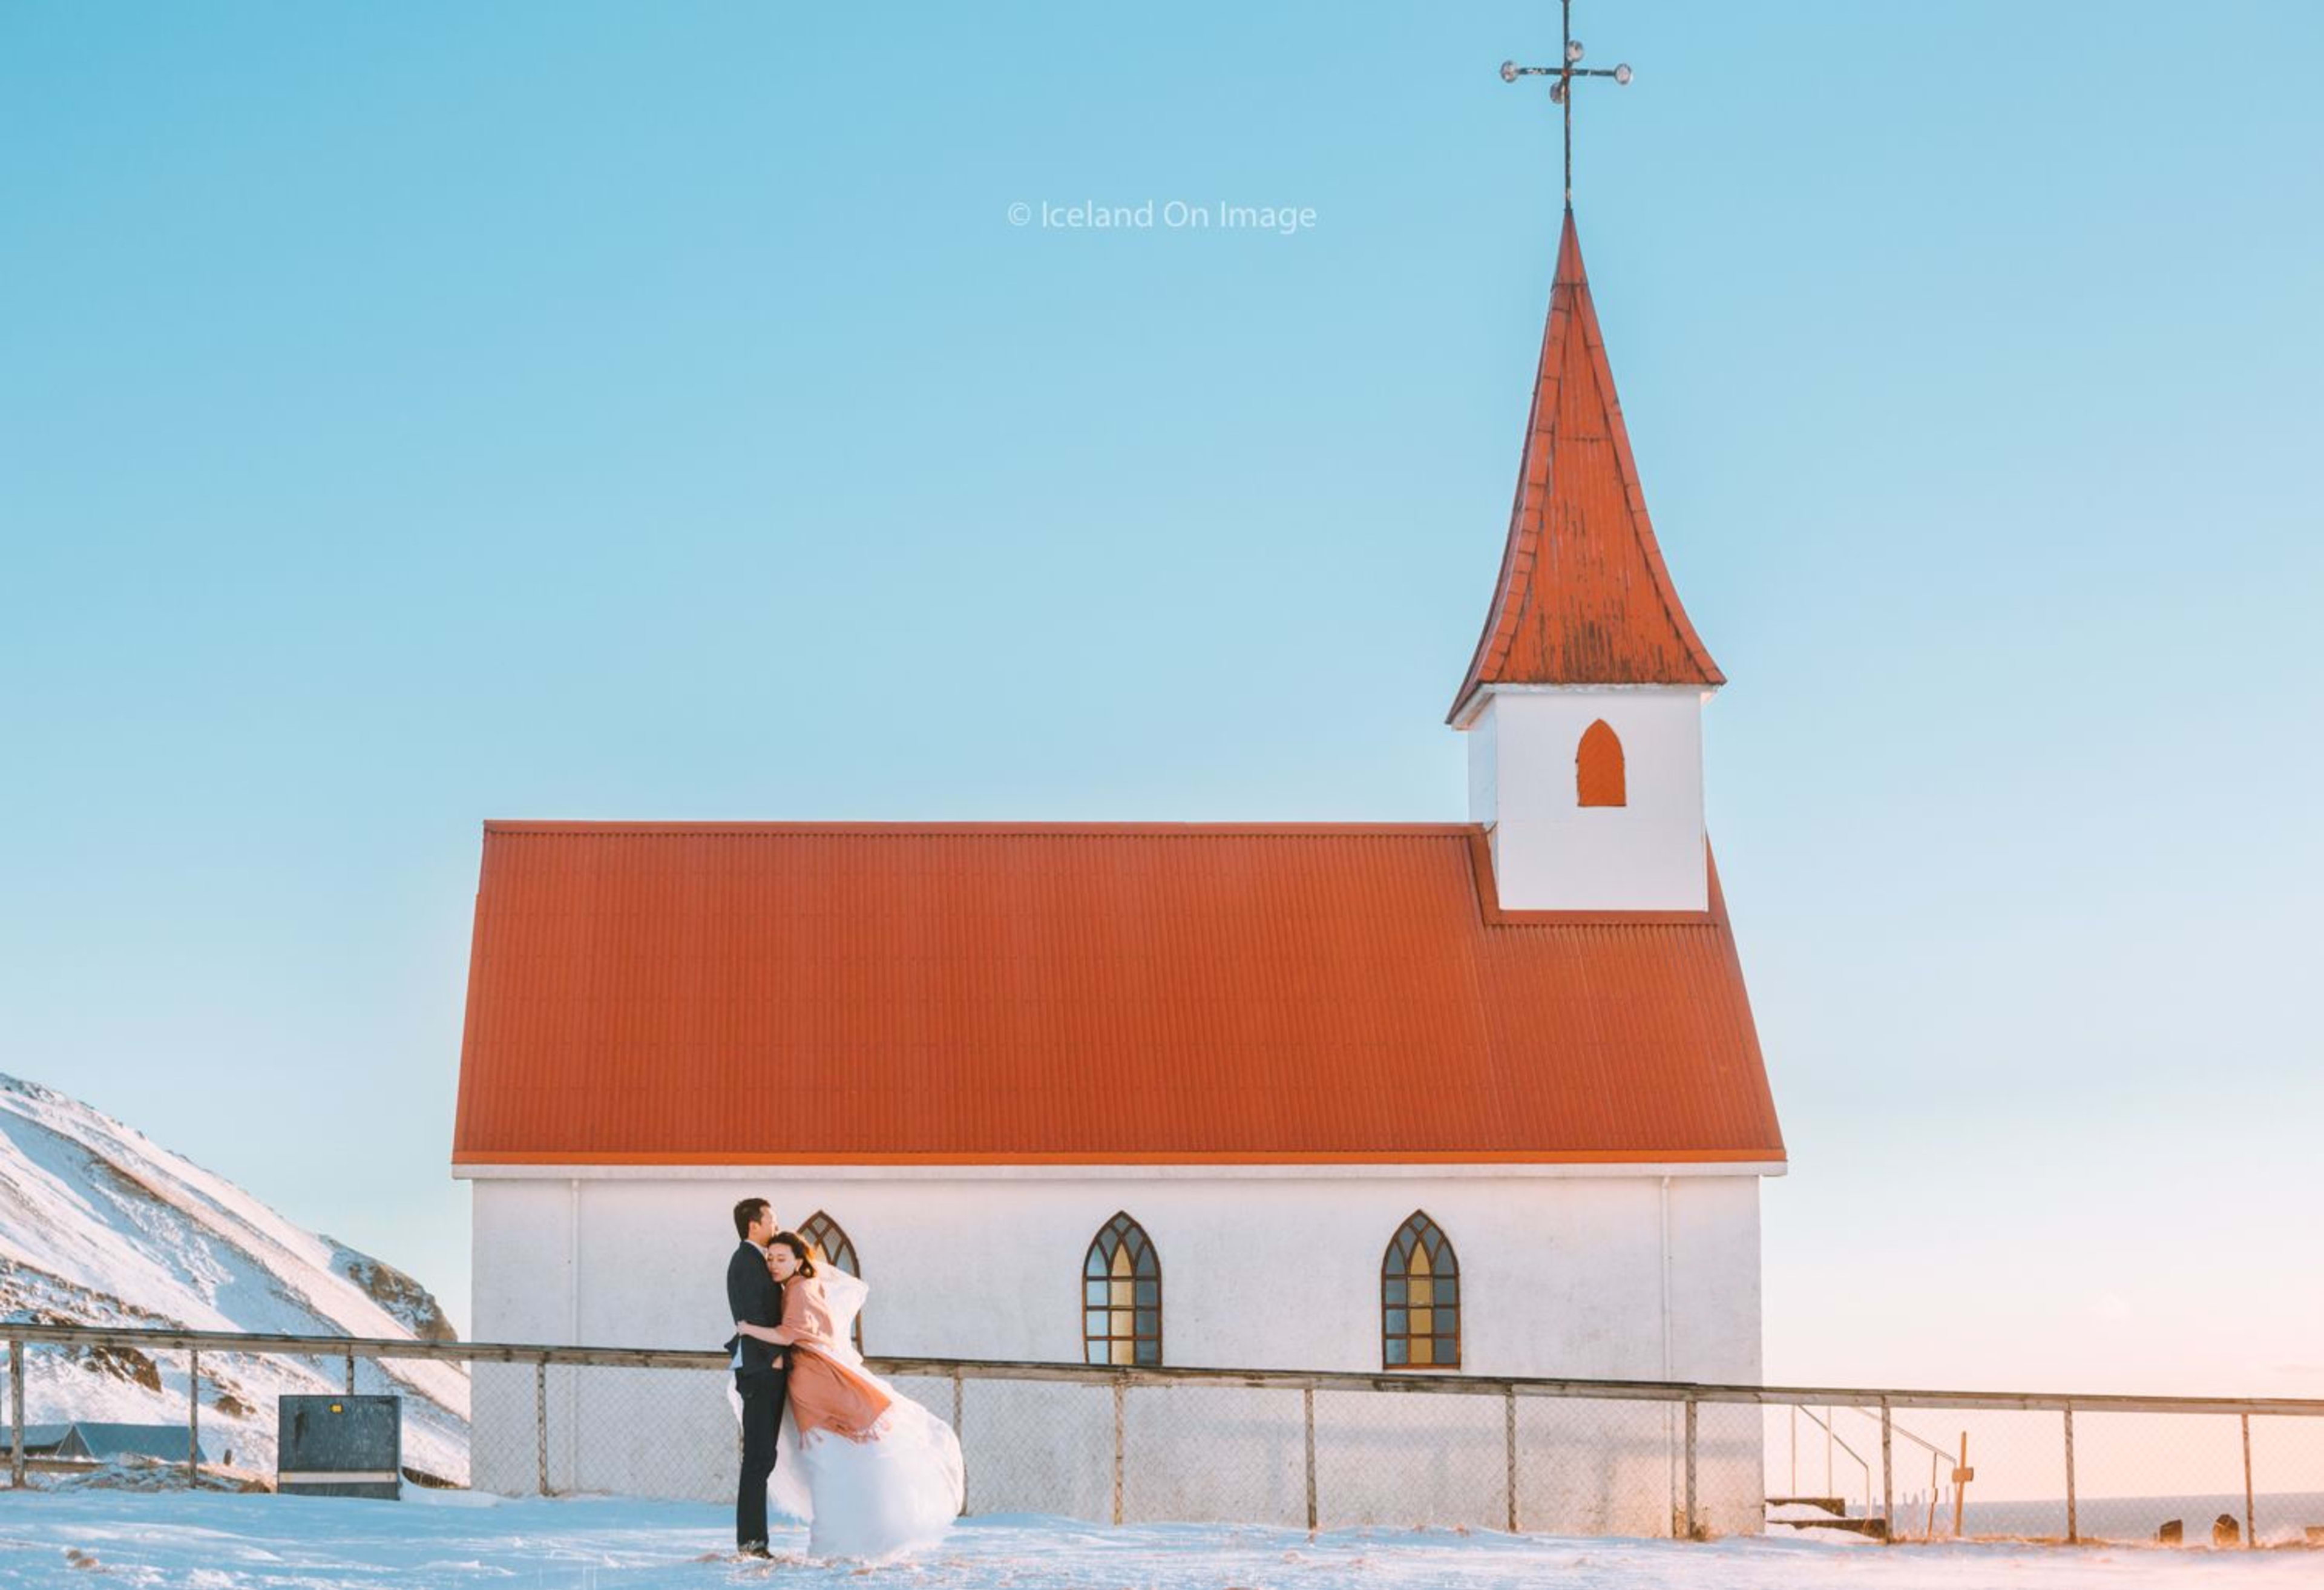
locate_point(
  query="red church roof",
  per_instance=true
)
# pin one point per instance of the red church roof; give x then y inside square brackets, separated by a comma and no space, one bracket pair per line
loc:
[677,993]
[1583,596]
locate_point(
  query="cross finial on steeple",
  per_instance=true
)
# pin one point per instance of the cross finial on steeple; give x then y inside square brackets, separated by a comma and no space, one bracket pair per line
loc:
[1561,92]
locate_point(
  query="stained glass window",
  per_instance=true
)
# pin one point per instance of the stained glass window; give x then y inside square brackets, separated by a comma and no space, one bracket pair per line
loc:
[830,1239]
[1420,1298]
[1122,1296]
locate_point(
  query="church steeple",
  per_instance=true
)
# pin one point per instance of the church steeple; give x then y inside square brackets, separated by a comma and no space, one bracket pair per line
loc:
[1583,596]
[1582,706]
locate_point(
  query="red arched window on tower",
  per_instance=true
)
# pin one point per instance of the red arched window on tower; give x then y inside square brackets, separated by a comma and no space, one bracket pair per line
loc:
[1597,778]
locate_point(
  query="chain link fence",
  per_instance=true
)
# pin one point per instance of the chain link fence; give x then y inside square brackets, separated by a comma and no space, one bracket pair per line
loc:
[1313,1451]
[2164,1471]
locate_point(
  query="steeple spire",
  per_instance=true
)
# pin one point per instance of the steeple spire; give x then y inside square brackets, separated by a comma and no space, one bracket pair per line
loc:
[1583,596]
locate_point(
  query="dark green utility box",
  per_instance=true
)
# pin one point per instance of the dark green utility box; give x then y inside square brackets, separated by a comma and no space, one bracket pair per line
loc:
[339,1446]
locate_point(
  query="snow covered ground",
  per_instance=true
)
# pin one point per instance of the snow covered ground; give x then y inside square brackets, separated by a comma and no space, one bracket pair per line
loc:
[454,1540]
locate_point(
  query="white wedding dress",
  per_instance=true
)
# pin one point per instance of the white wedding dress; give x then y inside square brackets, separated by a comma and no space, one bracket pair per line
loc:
[897,1492]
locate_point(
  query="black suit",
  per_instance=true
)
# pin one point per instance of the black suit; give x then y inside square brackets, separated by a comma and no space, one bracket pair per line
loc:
[753,1296]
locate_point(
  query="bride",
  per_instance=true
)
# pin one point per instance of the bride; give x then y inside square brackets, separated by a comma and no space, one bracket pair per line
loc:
[874,1474]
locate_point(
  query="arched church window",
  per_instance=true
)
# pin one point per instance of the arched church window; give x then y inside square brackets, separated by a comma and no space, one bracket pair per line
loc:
[1420,1298]
[1122,1296]
[830,1239]
[1598,777]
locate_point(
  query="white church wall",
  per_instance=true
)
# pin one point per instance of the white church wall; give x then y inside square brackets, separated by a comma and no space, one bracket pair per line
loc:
[1550,852]
[524,1253]
[1483,742]
[1715,1242]
[1563,1274]
[1715,1278]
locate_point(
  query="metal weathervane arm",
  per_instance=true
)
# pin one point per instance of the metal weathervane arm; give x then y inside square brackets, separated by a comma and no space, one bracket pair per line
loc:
[1561,92]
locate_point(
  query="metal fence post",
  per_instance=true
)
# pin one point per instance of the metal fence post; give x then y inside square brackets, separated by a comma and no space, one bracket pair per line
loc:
[16,1414]
[2250,1534]
[193,1416]
[1690,1405]
[541,1418]
[1887,1474]
[1307,1411]
[1121,1426]
[1510,1432]
[2073,1516]
[957,1399]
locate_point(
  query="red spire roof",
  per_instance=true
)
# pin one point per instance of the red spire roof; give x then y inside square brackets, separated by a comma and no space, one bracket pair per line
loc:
[1583,597]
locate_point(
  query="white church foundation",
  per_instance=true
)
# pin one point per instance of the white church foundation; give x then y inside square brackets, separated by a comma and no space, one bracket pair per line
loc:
[1581,1272]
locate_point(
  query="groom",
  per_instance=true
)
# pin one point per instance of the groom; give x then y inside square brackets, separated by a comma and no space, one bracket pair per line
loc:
[752,1296]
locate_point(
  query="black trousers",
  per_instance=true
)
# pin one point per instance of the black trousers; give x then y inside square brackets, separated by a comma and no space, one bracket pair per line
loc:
[762,1417]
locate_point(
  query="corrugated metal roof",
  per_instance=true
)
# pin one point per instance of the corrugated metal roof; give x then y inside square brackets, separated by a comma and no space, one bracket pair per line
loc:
[1583,596]
[1081,993]
[169,1443]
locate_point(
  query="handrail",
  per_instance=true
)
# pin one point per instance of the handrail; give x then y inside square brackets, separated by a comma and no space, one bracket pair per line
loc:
[1841,1441]
[1922,1442]
[1106,1375]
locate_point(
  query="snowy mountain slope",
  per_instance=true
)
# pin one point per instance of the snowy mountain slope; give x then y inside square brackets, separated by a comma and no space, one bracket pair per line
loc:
[101,1225]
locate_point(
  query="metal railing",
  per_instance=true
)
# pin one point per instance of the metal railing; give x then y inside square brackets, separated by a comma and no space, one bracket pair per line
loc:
[1567,1455]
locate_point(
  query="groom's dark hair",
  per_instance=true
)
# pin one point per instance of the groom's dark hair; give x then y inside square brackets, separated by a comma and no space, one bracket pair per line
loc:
[746,1214]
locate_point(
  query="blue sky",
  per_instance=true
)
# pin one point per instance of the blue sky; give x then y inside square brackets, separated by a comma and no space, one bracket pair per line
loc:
[420,414]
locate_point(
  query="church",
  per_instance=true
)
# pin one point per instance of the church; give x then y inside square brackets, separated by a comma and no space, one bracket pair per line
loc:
[1413,1099]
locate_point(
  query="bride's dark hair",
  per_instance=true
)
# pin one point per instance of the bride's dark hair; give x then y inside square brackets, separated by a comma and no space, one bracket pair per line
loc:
[799,1245]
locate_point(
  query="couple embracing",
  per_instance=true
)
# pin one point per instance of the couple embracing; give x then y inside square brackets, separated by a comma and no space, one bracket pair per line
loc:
[873,1473]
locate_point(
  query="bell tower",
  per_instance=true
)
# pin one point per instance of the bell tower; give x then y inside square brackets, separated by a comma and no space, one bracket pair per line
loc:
[1583,703]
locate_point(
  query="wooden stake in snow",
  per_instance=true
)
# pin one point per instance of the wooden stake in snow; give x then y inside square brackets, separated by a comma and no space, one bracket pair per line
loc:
[1962,1475]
